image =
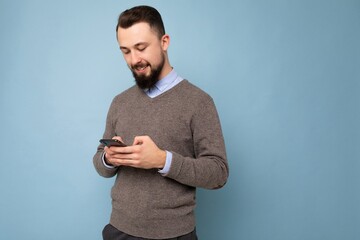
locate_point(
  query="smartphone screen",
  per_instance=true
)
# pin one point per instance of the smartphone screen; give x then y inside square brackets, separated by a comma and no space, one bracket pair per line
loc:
[112,142]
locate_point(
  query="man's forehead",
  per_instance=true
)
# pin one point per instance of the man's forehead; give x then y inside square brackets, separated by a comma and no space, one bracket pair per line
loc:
[139,32]
[136,29]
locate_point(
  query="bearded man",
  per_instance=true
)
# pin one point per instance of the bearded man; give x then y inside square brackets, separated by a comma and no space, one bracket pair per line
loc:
[174,142]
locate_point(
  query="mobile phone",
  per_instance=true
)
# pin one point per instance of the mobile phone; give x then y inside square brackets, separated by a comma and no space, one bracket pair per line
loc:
[112,143]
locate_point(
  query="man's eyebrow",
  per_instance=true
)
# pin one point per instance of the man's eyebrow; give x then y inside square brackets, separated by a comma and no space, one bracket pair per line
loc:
[136,45]
[141,44]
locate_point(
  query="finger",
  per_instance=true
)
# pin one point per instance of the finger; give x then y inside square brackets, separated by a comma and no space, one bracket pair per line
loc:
[126,162]
[118,138]
[131,156]
[123,150]
[109,150]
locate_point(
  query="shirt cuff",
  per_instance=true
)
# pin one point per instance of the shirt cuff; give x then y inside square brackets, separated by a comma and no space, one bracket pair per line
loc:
[168,161]
[104,162]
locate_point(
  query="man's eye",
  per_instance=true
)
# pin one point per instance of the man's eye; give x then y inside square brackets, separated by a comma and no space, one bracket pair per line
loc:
[141,49]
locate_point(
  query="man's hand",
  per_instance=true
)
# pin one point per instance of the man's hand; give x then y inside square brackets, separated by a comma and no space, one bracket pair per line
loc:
[144,153]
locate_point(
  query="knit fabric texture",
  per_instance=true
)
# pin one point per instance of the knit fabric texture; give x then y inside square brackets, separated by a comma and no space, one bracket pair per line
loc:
[184,121]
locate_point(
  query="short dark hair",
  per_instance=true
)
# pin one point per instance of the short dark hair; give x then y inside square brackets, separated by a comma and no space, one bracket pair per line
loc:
[139,14]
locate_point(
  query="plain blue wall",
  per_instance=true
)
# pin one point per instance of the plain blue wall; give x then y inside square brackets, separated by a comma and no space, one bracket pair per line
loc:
[285,76]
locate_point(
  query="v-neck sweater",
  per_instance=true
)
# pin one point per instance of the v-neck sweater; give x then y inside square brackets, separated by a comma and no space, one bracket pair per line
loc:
[184,121]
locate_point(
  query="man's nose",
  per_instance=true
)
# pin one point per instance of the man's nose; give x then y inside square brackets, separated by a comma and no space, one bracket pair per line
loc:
[135,58]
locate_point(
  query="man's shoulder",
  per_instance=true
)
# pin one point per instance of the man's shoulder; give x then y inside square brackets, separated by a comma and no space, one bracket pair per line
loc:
[128,93]
[192,91]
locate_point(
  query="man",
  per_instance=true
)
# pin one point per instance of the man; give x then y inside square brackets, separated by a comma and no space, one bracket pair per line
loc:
[173,137]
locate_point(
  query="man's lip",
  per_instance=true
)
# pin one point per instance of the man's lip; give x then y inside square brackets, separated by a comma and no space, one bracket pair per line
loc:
[141,70]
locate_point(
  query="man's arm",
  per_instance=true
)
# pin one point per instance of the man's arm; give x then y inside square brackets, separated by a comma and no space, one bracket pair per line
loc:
[209,168]
[98,159]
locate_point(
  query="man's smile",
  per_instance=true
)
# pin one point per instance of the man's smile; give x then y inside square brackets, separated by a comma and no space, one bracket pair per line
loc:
[141,68]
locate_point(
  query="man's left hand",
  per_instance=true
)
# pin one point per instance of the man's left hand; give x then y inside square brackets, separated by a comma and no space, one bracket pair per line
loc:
[144,153]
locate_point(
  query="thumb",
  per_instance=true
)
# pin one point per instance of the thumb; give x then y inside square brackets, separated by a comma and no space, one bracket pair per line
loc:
[138,140]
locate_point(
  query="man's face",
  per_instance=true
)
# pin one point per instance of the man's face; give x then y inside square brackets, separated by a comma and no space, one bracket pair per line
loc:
[143,52]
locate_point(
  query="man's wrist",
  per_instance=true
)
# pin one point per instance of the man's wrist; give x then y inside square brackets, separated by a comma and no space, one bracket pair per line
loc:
[105,162]
[168,159]
[162,156]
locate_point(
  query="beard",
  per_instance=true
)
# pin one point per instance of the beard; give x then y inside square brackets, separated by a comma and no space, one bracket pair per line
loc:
[147,81]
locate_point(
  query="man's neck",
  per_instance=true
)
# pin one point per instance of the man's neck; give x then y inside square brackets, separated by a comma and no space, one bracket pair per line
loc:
[167,68]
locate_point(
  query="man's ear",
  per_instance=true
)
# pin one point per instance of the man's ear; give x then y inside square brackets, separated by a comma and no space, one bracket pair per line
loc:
[165,42]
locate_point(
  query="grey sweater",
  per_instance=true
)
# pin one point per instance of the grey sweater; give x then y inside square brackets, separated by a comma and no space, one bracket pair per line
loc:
[183,121]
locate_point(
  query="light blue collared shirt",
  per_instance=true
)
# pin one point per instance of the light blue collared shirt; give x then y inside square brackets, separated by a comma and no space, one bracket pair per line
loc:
[163,85]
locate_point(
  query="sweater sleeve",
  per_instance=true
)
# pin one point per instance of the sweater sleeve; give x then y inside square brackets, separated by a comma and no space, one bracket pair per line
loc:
[209,168]
[98,157]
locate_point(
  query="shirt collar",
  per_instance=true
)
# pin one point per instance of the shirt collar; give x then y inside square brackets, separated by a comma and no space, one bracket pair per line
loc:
[163,83]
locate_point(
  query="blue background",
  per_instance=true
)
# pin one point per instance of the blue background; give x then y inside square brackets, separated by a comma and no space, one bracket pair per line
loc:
[285,76]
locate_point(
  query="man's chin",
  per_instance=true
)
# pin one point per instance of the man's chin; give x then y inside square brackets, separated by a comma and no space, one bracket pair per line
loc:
[145,82]
[148,79]
[141,75]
